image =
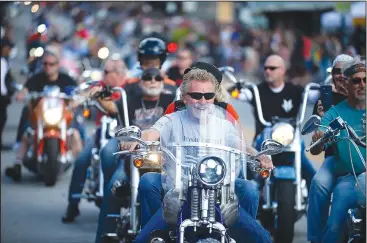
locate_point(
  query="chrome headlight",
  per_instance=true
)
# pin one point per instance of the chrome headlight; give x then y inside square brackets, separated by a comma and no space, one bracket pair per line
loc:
[283,133]
[211,171]
[52,116]
[112,128]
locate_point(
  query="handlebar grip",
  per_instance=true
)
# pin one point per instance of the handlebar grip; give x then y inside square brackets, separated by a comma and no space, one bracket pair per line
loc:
[315,144]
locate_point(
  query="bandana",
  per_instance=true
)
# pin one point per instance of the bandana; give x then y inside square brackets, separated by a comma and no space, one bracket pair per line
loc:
[356,68]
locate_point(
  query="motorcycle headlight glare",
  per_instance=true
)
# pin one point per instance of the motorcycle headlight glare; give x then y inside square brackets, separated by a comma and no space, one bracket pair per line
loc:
[283,133]
[52,116]
[211,171]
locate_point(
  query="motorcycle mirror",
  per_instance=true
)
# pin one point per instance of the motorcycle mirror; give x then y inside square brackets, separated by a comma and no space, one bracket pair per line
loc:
[131,131]
[311,124]
[87,85]
[271,147]
[328,70]
[226,68]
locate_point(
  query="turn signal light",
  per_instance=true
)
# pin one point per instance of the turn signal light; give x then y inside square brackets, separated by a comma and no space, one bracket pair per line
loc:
[264,174]
[86,113]
[138,163]
[235,93]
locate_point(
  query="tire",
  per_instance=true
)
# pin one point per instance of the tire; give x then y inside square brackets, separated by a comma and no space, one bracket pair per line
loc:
[51,166]
[286,197]
[98,202]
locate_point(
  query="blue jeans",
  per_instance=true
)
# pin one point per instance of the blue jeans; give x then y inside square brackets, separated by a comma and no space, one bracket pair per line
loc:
[81,165]
[361,198]
[307,169]
[113,169]
[150,194]
[109,161]
[320,226]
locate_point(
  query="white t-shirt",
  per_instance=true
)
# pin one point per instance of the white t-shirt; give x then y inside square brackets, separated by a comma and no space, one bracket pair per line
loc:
[4,71]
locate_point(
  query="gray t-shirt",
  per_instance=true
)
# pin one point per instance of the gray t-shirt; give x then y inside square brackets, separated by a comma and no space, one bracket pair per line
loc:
[181,127]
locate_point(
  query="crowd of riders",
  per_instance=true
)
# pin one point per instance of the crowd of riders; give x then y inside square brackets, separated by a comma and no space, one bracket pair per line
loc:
[152,88]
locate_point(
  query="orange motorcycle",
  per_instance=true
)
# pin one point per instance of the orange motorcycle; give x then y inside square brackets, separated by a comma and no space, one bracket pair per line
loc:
[51,116]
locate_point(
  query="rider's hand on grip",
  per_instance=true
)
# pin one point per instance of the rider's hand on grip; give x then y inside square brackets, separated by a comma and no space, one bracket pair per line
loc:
[265,162]
[95,91]
[131,146]
[320,109]
[317,135]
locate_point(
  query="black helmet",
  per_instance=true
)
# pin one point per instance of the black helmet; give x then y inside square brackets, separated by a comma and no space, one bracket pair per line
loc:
[152,47]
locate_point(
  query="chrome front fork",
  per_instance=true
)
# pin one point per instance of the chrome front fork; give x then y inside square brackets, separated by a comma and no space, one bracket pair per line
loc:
[134,172]
[298,163]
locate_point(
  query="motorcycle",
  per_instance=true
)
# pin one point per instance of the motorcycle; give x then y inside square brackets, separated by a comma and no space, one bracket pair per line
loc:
[198,176]
[50,117]
[356,216]
[284,192]
[93,187]
[128,223]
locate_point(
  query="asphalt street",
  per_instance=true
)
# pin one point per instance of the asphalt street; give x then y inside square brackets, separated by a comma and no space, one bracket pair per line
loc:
[31,212]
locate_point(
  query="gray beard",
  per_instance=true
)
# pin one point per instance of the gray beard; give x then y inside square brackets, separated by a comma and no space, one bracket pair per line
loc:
[151,91]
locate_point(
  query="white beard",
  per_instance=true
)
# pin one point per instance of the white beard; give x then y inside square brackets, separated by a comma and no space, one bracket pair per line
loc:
[152,91]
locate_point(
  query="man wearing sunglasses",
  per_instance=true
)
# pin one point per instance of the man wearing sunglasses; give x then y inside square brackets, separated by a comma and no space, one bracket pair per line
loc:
[279,99]
[320,185]
[201,86]
[341,181]
[144,110]
[339,92]
[49,76]
[114,75]
[152,53]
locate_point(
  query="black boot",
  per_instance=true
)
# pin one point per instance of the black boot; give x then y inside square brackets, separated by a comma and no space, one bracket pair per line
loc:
[14,172]
[71,213]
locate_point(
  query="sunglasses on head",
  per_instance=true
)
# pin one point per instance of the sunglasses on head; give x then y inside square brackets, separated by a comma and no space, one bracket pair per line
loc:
[49,63]
[358,80]
[270,67]
[336,71]
[149,77]
[198,96]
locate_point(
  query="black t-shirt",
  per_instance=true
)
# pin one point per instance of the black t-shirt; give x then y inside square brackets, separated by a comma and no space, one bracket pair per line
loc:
[40,80]
[337,98]
[174,74]
[284,104]
[144,113]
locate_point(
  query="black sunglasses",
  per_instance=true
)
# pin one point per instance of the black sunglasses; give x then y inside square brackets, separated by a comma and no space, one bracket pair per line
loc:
[270,67]
[198,96]
[358,80]
[148,77]
[336,71]
[49,63]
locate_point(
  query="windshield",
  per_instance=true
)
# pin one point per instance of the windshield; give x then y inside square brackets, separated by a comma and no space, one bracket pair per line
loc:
[202,141]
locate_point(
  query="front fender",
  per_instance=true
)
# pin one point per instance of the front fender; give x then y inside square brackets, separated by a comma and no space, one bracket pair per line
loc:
[284,173]
[52,134]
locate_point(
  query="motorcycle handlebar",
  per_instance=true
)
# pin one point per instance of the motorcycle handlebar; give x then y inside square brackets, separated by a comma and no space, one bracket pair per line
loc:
[303,105]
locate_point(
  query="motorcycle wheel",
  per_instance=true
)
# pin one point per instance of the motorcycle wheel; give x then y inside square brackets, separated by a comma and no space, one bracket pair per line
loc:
[51,166]
[285,192]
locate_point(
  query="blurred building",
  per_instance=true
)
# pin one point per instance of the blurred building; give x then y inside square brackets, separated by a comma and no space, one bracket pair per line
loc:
[304,16]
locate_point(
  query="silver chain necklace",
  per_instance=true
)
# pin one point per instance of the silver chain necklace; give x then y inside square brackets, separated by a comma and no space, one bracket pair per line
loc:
[145,111]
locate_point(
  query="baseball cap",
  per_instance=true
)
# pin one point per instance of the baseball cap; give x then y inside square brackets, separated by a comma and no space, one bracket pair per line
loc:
[342,58]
